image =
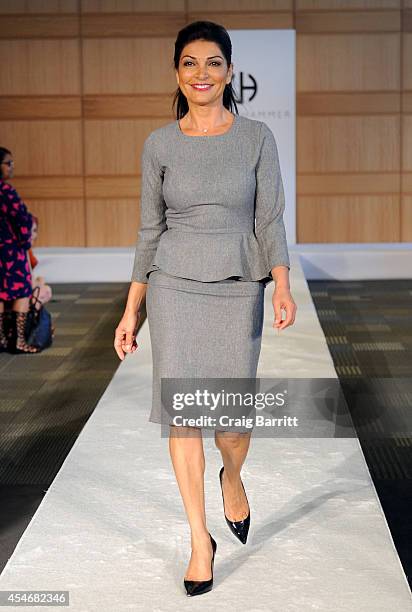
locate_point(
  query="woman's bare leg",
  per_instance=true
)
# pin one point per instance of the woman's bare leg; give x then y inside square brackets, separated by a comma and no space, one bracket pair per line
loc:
[21,304]
[188,459]
[233,448]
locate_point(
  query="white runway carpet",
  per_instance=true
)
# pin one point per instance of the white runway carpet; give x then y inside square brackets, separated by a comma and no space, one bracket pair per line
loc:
[112,529]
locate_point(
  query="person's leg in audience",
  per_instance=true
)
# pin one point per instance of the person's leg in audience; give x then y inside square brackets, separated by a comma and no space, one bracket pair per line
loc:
[20,309]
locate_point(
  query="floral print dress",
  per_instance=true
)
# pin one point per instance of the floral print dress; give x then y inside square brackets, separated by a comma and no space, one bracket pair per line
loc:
[15,240]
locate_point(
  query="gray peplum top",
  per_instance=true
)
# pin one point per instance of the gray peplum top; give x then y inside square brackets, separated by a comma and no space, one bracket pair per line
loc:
[211,206]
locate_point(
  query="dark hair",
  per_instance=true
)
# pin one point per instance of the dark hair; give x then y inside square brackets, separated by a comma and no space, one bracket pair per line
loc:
[203,30]
[3,153]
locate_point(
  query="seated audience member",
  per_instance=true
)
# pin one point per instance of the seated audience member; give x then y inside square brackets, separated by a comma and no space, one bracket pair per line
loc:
[45,293]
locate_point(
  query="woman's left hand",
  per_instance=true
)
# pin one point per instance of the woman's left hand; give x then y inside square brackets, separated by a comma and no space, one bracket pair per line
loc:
[282,299]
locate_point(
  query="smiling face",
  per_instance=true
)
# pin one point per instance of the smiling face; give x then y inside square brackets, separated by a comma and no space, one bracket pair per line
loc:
[202,61]
[7,167]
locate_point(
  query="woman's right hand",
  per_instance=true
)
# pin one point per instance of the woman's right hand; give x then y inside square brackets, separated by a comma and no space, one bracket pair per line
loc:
[125,334]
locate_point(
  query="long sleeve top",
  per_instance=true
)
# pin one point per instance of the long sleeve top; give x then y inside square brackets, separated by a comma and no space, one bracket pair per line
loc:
[15,219]
[211,206]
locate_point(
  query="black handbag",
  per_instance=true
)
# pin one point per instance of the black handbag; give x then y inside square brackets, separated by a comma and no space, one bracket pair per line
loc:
[39,329]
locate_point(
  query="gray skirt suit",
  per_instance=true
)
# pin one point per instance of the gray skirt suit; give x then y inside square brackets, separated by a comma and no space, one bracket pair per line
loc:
[211,231]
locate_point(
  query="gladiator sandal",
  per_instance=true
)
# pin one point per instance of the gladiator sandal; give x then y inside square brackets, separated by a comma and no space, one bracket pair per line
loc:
[4,343]
[19,344]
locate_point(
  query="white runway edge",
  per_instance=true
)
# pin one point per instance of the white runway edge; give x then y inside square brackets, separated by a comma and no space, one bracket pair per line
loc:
[112,530]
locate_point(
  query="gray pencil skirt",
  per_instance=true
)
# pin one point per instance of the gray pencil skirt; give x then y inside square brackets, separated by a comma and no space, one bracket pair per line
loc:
[202,330]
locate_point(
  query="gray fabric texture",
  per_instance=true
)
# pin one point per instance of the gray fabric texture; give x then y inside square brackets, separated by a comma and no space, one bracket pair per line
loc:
[211,206]
[202,330]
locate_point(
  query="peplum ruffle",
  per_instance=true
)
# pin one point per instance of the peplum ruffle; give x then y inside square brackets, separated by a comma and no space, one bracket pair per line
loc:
[240,254]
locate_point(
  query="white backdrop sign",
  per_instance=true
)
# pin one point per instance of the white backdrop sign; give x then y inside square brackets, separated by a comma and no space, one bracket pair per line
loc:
[264,80]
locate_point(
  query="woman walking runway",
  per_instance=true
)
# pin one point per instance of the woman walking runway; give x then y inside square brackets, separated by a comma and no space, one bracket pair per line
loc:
[211,239]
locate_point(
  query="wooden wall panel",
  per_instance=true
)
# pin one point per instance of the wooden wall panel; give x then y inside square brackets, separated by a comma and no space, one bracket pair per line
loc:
[341,5]
[406,134]
[61,222]
[244,14]
[38,6]
[114,147]
[136,106]
[406,226]
[349,219]
[110,187]
[346,103]
[40,107]
[50,187]
[279,20]
[349,124]
[407,62]
[112,222]
[407,143]
[128,66]
[39,26]
[132,25]
[348,62]
[348,144]
[39,67]
[347,183]
[132,6]
[85,81]
[240,6]
[44,147]
[348,21]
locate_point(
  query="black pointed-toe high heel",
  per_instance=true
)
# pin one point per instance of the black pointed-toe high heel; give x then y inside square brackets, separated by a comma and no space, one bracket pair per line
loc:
[239,528]
[198,587]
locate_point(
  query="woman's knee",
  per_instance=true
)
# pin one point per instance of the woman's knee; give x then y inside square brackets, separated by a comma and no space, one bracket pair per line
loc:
[231,440]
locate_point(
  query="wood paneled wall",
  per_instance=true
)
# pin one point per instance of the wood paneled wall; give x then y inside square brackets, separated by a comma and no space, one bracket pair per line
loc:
[83,82]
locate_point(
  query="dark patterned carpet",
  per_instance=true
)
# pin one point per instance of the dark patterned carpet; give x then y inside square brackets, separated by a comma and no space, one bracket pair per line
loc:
[368,327]
[46,399]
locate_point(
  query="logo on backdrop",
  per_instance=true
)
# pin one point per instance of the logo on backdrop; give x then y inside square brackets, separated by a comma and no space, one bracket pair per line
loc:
[242,87]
